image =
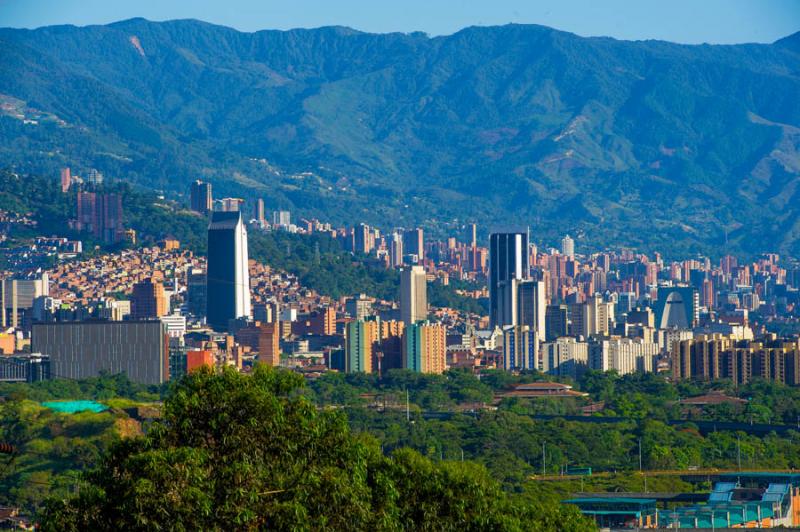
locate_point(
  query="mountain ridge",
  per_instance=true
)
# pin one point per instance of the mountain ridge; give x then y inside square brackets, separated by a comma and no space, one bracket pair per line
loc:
[659,144]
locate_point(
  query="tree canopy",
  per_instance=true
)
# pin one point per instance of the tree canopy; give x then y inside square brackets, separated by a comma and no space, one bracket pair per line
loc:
[253,452]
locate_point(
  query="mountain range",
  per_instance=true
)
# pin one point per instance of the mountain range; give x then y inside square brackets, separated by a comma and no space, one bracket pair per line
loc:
[647,144]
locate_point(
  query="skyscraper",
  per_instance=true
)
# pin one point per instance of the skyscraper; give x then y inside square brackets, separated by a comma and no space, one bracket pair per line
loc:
[228,279]
[531,306]
[413,295]
[425,348]
[568,247]
[359,339]
[396,250]
[200,197]
[508,261]
[258,211]
[414,243]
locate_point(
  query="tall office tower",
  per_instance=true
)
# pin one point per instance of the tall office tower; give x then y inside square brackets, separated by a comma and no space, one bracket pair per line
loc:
[101,215]
[520,348]
[66,179]
[362,239]
[269,336]
[281,218]
[359,337]
[200,197]
[413,295]
[414,243]
[148,300]
[472,237]
[508,261]
[425,348]
[258,211]
[531,306]
[556,322]
[568,247]
[228,278]
[79,350]
[396,250]
[196,300]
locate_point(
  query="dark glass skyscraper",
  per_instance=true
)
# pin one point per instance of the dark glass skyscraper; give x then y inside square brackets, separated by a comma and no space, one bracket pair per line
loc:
[228,279]
[508,260]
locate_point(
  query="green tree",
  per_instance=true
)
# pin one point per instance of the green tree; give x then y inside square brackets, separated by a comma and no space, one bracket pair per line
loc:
[252,452]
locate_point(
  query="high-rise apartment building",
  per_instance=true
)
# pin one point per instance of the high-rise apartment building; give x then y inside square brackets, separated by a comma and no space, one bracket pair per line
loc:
[359,339]
[269,351]
[413,295]
[396,250]
[361,238]
[231,204]
[425,348]
[565,357]
[228,277]
[624,355]
[716,356]
[281,219]
[258,211]
[520,348]
[148,300]
[508,262]
[66,179]
[568,247]
[200,198]
[100,215]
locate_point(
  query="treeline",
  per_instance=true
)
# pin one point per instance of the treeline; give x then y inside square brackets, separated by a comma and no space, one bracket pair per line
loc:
[252,452]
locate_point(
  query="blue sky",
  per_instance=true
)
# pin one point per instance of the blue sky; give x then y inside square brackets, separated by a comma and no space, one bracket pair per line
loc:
[687,21]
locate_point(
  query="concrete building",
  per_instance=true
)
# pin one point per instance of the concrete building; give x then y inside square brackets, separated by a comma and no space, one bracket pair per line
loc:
[425,348]
[17,297]
[624,355]
[520,348]
[565,357]
[269,337]
[508,262]
[228,278]
[79,350]
[414,243]
[148,300]
[413,295]
[568,247]
[532,306]
[200,198]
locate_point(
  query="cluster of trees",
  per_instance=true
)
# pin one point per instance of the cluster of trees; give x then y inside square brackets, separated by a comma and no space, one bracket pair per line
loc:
[252,451]
[514,443]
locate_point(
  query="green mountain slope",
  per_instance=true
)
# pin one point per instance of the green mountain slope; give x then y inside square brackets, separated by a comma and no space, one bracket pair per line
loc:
[648,144]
